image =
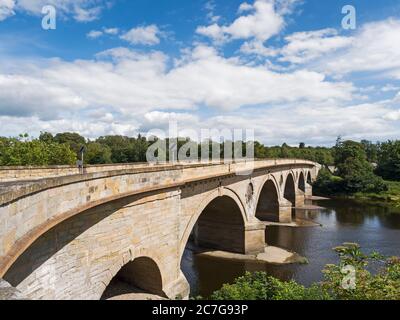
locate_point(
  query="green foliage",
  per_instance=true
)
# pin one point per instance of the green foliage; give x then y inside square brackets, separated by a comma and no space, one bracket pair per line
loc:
[371,150]
[383,285]
[97,153]
[74,140]
[25,152]
[318,154]
[327,183]
[260,286]
[355,173]
[389,160]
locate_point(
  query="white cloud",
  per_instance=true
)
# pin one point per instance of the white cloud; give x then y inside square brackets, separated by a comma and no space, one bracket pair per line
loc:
[210,8]
[6,9]
[306,46]
[22,95]
[147,35]
[261,23]
[245,7]
[375,48]
[111,31]
[257,48]
[94,34]
[80,10]
[390,87]
[133,84]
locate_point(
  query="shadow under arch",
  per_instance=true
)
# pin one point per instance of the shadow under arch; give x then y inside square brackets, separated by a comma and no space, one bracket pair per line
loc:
[223,193]
[220,226]
[290,190]
[268,202]
[302,182]
[217,224]
[142,275]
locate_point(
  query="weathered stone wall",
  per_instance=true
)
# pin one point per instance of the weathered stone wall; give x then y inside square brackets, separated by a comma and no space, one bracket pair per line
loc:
[78,258]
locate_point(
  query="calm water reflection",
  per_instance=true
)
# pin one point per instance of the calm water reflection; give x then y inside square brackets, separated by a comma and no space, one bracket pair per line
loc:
[374,227]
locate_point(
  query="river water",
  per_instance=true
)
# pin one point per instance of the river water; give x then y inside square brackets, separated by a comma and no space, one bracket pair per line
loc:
[375,227]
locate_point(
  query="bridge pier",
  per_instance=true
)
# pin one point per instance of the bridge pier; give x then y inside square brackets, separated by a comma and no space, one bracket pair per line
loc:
[285,211]
[300,198]
[224,236]
[178,289]
[254,235]
[309,190]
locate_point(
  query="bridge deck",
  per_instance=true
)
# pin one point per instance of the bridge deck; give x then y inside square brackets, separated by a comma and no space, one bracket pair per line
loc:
[17,182]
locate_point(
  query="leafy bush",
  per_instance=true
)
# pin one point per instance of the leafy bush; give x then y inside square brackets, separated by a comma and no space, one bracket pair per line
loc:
[383,285]
[23,152]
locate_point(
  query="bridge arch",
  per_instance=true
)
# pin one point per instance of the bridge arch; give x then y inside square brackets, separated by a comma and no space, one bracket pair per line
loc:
[218,222]
[302,182]
[290,189]
[268,202]
[141,275]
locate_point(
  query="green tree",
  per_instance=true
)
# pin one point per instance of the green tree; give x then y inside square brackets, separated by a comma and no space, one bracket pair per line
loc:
[46,137]
[25,152]
[355,170]
[74,140]
[389,160]
[371,150]
[97,153]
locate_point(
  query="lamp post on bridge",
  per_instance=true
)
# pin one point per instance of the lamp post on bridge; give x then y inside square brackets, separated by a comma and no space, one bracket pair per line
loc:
[81,162]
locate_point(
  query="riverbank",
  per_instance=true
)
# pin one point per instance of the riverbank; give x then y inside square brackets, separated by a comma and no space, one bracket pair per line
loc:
[392,196]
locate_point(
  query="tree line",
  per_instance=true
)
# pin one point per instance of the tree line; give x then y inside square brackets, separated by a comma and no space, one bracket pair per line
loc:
[360,166]
[63,148]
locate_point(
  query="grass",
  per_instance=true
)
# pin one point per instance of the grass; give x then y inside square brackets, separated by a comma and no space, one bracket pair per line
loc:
[391,196]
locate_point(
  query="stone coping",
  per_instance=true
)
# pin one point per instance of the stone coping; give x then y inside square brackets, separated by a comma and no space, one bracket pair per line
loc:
[13,190]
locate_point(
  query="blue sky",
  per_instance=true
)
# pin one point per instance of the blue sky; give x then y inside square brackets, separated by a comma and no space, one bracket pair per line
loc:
[285,68]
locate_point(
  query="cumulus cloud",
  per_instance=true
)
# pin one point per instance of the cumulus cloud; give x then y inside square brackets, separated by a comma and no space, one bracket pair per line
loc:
[261,23]
[22,95]
[375,48]
[147,35]
[134,84]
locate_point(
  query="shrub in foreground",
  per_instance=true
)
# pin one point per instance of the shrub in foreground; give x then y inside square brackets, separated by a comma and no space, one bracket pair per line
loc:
[383,284]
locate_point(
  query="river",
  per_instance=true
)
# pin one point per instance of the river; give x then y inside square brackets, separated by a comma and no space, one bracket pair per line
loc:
[373,226]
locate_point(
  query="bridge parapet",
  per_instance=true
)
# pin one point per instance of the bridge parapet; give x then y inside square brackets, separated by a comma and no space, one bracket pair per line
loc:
[22,181]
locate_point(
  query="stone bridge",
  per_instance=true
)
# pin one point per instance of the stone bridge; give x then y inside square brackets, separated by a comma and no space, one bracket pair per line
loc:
[65,235]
